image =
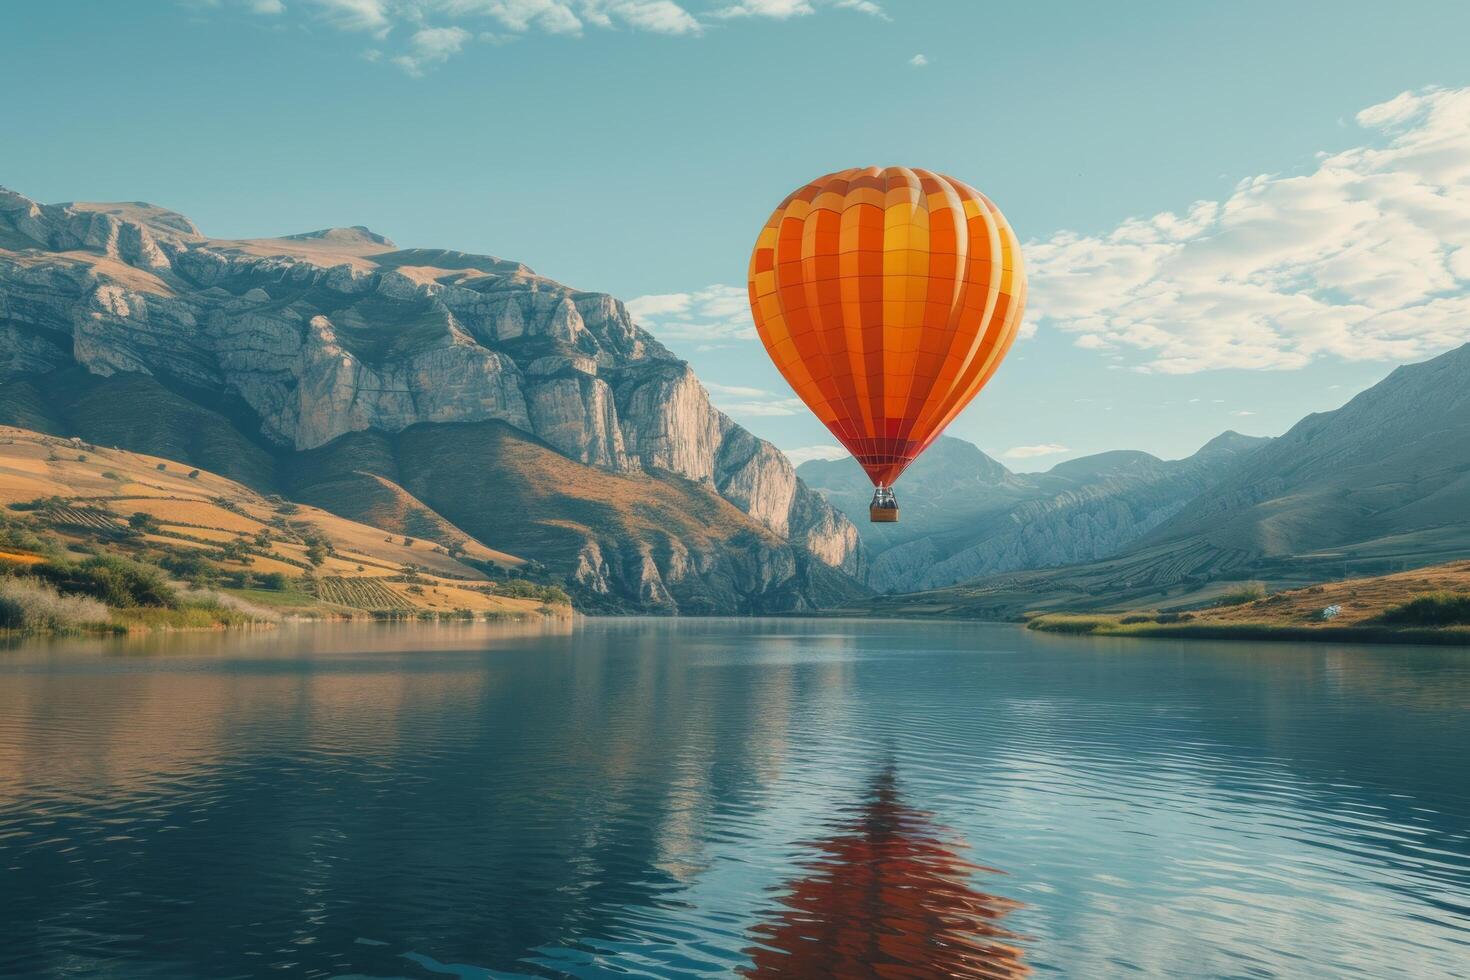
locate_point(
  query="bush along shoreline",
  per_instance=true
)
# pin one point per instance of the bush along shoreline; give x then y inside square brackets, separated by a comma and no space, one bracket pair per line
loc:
[108,594]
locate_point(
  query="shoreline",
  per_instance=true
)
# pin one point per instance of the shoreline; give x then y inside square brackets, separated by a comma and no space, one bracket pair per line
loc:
[115,628]
[1089,625]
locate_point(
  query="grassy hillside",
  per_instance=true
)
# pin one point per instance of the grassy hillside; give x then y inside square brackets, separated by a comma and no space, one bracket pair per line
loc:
[1429,605]
[69,502]
[136,411]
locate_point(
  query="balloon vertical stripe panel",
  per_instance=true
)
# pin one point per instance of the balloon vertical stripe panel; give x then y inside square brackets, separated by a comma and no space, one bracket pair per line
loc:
[887,299]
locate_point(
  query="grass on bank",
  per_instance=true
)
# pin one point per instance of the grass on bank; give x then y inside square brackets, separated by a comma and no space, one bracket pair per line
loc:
[33,605]
[1433,620]
[44,589]
[1430,609]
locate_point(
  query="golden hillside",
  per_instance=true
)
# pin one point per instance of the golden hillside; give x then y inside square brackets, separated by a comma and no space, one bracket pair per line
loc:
[204,527]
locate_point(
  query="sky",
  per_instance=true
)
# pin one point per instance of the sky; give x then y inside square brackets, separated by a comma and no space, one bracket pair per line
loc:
[1233,214]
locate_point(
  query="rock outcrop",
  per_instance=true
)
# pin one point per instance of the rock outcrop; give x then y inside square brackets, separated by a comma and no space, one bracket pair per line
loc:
[321,335]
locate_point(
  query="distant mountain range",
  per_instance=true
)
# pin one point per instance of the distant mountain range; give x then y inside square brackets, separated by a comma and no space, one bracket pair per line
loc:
[1382,483]
[424,391]
[965,515]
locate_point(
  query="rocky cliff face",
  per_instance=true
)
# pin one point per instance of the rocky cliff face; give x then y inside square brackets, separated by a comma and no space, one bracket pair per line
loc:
[321,335]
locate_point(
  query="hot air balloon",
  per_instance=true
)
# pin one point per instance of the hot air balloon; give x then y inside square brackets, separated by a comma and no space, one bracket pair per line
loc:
[887,299]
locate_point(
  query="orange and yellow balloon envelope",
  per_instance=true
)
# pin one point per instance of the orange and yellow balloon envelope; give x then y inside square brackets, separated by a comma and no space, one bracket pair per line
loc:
[887,299]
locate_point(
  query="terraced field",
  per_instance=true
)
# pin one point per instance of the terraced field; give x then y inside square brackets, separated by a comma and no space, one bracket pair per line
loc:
[359,593]
[85,517]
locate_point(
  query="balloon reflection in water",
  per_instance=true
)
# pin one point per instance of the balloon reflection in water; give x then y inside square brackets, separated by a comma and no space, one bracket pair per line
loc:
[888,896]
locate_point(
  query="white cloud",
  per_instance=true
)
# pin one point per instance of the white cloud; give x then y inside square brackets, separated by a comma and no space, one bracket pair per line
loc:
[737,391]
[739,400]
[868,7]
[786,9]
[777,9]
[806,454]
[357,15]
[499,21]
[1031,452]
[919,61]
[431,46]
[658,16]
[1367,257]
[1242,413]
[767,408]
[715,312]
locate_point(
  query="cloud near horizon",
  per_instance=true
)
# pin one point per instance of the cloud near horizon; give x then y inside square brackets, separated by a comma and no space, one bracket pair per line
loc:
[1031,452]
[805,454]
[716,312]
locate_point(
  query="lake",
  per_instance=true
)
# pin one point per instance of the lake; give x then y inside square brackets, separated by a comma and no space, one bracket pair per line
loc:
[725,797]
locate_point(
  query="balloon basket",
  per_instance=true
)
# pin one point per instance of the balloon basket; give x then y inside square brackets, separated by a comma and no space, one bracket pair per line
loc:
[884,508]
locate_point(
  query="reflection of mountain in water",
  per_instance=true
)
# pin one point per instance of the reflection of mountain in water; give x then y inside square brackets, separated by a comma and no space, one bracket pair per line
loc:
[888,896]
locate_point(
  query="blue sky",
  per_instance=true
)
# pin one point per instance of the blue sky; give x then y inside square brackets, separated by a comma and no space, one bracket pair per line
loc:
[636,146]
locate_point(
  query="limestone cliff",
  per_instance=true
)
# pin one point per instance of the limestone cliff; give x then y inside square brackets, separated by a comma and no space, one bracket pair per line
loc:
[313,337]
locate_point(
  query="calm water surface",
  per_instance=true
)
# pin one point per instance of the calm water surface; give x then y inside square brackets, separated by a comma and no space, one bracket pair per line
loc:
[767,798]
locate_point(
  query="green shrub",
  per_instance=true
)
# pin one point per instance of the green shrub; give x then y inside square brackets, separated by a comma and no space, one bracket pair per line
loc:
[18,536]
[191,566]
[1066,623]
[521,589]
[1249,592]
[1431,609]
[119,582]
[31,604]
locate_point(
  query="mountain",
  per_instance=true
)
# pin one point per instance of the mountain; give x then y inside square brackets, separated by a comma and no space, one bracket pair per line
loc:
[1381,484]
[380,381]
[1393,460]
[966,515]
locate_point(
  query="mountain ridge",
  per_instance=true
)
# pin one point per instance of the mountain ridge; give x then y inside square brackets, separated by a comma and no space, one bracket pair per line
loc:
[296,342]
[1374,487]
[967,515]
